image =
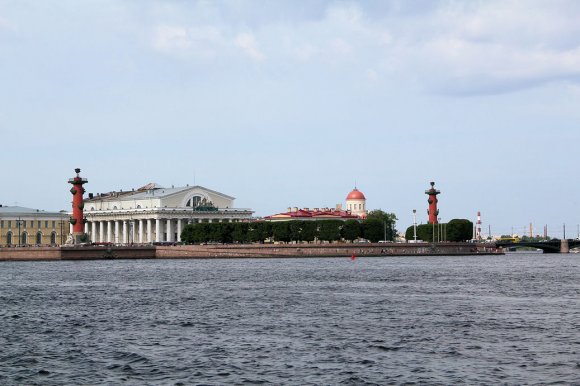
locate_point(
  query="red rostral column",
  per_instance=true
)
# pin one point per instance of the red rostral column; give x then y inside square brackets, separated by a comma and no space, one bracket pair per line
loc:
[77,220]
[433,212]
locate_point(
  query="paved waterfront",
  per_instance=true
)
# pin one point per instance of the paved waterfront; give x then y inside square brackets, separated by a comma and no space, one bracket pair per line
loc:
[511,319]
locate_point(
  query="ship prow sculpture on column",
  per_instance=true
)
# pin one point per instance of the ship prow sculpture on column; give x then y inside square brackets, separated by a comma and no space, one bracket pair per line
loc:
[77,219]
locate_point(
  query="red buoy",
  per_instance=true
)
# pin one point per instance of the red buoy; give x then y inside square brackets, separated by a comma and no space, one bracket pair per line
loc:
[353,257]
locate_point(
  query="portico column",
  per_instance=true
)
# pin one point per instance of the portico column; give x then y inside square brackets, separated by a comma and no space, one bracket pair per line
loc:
[157,230]
[140,231]
[149,239]
[70,229]
[116,232]
[94,232]
[125,234]
[101,231]
[169,231]
[86,227]
[179,229]
[109,231]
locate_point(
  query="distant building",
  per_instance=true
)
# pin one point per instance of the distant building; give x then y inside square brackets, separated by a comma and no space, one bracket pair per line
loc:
[155,214]
[356,203]
[27,226]
[355,210]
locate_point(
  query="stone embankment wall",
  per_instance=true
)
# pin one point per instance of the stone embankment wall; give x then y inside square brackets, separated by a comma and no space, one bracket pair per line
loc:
[321,250]
[77,253]
[108,252]
[241,251]
[30,253]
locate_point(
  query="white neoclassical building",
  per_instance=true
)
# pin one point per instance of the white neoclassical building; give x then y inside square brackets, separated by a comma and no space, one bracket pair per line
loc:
[155,214]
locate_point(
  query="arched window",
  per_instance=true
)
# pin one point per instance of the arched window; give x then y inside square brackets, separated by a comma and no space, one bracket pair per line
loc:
[53,238]
[9,238]
[38,238]
[24,238]
[196,201]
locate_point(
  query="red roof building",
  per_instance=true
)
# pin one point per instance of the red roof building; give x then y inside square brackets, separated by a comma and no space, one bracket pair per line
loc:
[355,210]
[314,214]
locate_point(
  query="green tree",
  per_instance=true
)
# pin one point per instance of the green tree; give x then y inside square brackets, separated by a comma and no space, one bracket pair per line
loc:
[459,230]
[259,231]
[295,229]
[281,231]
[388,219]
[373,229]
[309,231]
[329,230]
[240,232]
[351,230]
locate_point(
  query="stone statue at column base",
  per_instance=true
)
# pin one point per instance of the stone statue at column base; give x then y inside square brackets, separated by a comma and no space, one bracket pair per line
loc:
[69,240]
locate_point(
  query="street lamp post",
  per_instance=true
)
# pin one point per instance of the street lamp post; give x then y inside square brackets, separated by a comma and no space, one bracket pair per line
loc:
[415,225]
[19,234]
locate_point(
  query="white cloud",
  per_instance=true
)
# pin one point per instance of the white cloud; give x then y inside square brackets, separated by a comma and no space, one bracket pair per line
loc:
[204,41]
[341,47]
[306,52]
[169,38]
[5,24]
[451,47]
[247,42]
[498,47]
[372,75]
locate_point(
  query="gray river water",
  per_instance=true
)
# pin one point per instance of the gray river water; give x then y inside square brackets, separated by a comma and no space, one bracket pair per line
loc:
[511,319]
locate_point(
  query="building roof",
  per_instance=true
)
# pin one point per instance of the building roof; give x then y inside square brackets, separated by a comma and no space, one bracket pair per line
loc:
[152,190]
[20,210]
[322,214]
[356,195]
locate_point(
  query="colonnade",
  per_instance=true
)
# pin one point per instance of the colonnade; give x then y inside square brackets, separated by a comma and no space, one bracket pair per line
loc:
[138,231]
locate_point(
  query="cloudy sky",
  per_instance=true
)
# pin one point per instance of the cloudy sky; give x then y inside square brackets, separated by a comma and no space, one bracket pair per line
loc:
[290,103]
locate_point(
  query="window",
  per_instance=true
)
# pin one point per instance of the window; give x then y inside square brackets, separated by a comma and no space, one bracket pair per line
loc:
[24,238]
[9,238]
[9,224]
[196,201]
[46,224]
[53,224]
[31,223]
[38,238]
[53,237]
[39,222]
[2,224]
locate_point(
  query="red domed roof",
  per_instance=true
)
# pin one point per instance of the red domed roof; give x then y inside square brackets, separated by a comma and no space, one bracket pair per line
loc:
[356,195]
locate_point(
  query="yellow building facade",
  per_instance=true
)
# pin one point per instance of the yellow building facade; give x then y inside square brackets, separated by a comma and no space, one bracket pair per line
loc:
[21,226]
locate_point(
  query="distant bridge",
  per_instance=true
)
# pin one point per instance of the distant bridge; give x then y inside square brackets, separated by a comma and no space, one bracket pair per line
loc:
[552,246]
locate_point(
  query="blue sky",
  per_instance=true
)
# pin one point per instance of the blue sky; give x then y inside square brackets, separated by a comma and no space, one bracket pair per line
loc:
[288,103]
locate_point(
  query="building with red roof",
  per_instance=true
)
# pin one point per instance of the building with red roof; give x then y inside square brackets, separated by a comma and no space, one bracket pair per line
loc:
[355,210]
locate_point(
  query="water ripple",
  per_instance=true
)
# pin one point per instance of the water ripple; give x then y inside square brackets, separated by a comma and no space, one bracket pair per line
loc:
[417,320]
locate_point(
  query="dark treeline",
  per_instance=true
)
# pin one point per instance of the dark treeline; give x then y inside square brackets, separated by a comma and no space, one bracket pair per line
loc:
[288,231]
[454,230]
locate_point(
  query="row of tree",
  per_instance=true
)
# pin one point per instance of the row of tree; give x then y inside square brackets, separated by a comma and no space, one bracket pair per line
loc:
[454,230]
[377,226]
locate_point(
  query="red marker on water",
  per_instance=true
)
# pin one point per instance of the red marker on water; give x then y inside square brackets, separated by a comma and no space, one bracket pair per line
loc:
[353,257]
